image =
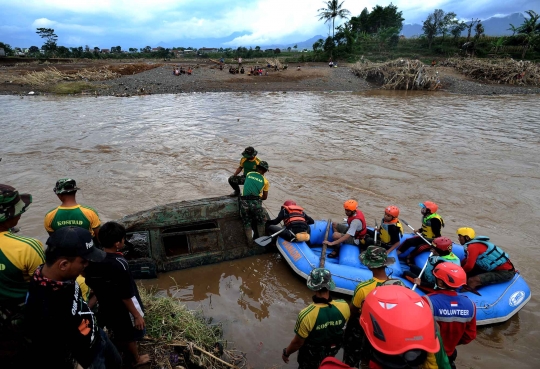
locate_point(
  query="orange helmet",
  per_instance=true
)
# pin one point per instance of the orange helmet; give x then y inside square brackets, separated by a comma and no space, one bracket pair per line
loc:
[451,274]
[442,243]
[350,205]
[392,210]
[388,332]
[431,206]
[289,203]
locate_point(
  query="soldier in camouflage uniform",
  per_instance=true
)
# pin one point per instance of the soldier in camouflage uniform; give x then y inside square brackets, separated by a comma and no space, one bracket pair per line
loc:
[251,209]
[248,163]
[319,327]
[356,346]
[19,258]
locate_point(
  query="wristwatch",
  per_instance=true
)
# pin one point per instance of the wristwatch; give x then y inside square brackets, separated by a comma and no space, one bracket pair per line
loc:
[285,352]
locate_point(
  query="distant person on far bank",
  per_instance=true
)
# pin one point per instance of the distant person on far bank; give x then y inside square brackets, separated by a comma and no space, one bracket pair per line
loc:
[248,164]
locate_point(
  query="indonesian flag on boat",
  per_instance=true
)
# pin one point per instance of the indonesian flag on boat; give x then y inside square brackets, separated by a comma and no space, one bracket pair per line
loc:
[453,304]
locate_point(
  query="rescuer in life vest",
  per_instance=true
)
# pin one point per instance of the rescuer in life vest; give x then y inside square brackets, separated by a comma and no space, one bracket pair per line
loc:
[432,224]
[484,263]
[354,232]
[390,230]
[296,221]
[400,328]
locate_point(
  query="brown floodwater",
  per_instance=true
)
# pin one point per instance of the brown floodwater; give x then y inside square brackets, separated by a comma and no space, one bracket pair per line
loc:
[476,156]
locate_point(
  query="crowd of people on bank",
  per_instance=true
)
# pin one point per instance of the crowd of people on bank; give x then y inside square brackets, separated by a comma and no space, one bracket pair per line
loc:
[49,297]
[386,325]
[177,71]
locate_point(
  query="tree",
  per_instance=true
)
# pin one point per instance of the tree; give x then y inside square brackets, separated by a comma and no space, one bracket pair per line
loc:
[289,49]
[530,30]
[257,48]
[448,21]
[332,11]
[457,28]
[50,38]
[380,17]
[470,26]
[7,48]
[513,28]
[33,49]
[318,45]
[437,23]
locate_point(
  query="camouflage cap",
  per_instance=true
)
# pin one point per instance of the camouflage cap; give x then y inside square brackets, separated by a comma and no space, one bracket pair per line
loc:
[264,165]
[12,203]
[375,257]
[65,185]
[249,152]
[320,278]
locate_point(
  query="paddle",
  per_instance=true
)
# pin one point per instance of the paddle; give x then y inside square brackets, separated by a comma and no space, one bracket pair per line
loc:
[323,252]
[375,231]
[430,254]
[265,240]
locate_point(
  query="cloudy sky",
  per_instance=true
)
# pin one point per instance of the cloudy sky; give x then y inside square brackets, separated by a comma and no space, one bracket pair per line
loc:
[198,23]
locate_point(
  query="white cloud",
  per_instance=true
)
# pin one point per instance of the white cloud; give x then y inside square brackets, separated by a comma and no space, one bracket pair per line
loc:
[47,23]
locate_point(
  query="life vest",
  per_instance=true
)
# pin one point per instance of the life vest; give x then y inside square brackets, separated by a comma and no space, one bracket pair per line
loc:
[295,213]
[384,234]
[360,216]
[427,232]
[493,257]
[434,260]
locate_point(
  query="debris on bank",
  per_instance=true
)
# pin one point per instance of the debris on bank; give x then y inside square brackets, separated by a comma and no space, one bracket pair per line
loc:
[501,71]
[400,74]
[179,337]
[52,75]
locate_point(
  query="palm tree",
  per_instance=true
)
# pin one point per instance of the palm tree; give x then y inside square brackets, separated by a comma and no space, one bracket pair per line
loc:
[332,11]
[530,29]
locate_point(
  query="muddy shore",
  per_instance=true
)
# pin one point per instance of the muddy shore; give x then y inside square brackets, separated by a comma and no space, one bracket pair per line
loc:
[207,77]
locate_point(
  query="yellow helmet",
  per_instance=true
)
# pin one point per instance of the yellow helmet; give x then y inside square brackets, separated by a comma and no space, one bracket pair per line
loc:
[466,231]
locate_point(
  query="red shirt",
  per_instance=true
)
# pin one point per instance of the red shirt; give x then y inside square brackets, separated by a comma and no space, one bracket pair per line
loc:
[455,332]
[473,251]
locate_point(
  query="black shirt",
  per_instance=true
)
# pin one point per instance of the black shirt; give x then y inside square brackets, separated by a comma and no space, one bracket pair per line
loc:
[59,322]
[112,282]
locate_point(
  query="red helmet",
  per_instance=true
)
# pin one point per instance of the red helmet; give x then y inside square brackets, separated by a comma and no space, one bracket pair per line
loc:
[451,274]
[397,320]
[442,243]
[392,210]
[289,203]
[350,205]
[431,206]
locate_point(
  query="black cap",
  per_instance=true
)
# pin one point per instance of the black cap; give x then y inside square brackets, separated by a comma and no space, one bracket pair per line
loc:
[75,241]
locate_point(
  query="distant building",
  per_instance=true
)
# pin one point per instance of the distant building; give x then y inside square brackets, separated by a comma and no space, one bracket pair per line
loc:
[208,50]
[155,49]
[2,52]
[105,51]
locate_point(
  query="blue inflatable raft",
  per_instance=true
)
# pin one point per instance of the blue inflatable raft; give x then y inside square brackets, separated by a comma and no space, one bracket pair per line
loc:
[497,303]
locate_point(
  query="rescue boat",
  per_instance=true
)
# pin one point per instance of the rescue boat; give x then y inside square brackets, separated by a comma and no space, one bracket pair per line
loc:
[494,303]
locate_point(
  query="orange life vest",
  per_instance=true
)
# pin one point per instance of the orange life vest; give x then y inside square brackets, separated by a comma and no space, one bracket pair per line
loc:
[295,213]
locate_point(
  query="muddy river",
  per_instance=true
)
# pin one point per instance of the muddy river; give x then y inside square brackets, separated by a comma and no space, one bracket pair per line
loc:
[477,157]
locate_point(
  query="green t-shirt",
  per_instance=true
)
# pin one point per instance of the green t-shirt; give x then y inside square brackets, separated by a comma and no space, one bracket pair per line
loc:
[321,324]
[255,184]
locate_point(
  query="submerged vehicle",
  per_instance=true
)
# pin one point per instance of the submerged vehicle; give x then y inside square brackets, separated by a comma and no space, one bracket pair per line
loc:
[495,303]
[185,234]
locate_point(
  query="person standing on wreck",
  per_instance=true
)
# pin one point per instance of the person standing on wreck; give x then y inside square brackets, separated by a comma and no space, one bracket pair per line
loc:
[248,163]
[319,327]
[255,191]
[353,233]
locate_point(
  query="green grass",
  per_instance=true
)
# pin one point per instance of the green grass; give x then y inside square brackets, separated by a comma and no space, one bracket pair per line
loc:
[77,87]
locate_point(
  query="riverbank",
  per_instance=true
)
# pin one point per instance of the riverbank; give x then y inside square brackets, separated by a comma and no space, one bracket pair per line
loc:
[207,77]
